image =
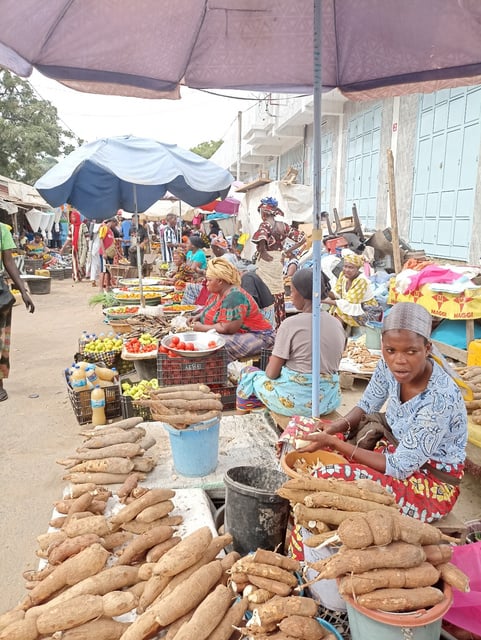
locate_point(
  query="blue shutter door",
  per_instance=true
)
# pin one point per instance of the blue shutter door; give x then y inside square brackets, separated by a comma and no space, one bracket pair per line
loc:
[445,172]
[362,165]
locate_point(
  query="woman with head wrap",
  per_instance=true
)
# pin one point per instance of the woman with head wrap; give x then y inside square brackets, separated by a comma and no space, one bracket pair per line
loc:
[180,271]
[269,238]
[419,443]
[220,249]
[77,239]
[352,299]
[285,386]
[233,313]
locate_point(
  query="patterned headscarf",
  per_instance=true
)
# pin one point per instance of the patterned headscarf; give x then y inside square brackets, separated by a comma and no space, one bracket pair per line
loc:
[411,316]
[224,270]
[216,241]
[353,258]
[269,206]
[180,252]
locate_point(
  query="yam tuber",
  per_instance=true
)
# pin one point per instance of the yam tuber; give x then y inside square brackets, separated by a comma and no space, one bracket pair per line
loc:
[380,527]
[452,575]
[277,609]
[98,478]
[156,511]
[192,386]
[101,629]
[128,485]
[346,503]
[328,516]
[72,546]
[424,575]
[129,512]
[265,571]
[401,599]
[394,555]
[154,586]
[158,550]
[125,450]
[341,487]
[207,616]
[438,553]
[117,539]
[104,465]
[276,559]
[230,621]
[101,441]
[144,464]
[185,554]
[137,548]
[134,526]
[86,563]
[302,627]
[180,601]
[91,524]
[278,588]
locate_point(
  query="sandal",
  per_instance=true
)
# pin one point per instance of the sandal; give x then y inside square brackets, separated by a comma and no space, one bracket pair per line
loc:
[3,394]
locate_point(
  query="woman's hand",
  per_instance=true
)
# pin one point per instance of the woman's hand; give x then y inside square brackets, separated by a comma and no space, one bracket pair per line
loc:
[28,302]
[320,440]
[198,326]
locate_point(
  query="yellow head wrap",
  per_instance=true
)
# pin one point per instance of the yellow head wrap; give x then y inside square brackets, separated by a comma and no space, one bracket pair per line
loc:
[224,270]
[354,258]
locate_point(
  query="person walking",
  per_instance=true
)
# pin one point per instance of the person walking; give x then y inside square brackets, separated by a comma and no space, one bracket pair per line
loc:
[170,238]
[7,263]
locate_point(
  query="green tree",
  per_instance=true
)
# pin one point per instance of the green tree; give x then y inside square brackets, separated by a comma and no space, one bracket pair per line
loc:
[31,137]
[207,149]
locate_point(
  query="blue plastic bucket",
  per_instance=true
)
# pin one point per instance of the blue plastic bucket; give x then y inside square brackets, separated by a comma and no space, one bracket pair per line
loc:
[195,450]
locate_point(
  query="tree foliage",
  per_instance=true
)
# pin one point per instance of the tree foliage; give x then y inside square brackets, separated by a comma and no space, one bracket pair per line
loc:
[207,149]
[31,137]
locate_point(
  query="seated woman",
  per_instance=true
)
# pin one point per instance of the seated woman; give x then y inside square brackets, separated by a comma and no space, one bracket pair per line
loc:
[195,256]
[179,271]
[419,450]
[352,299]
[36,248]
[286,385]
[233,313]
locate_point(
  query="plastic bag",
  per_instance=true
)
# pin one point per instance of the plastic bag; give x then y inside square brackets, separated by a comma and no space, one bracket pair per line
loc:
[464,611]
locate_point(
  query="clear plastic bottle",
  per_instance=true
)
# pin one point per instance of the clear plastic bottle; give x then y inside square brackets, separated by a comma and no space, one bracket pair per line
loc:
[78,381]
[97,402]
[105,373]
[83,340]
[91,376]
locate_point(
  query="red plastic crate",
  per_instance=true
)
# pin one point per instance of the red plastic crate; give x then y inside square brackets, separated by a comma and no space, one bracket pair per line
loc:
[227,393]
[211,369]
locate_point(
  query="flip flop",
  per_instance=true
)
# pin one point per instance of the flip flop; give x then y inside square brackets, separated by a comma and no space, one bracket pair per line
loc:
[3,395]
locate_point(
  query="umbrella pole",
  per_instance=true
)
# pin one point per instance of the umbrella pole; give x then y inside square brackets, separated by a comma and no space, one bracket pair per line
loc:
[316,213]
[139,262]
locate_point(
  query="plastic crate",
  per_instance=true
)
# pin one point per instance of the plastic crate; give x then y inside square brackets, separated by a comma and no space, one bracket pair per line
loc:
[131,409]
[227,393]
[211,369]
[80,401]
[265,355]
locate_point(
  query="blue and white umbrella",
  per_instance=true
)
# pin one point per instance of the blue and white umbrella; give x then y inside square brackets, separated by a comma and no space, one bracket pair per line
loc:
[131,173]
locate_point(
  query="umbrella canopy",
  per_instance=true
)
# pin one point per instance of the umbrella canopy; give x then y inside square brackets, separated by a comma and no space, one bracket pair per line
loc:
[241,44]
[99,178]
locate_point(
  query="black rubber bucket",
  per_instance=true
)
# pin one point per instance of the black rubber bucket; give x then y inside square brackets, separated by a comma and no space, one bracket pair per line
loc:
[254,515]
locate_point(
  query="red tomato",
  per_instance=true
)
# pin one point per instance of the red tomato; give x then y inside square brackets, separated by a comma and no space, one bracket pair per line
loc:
[175,341]
[181,346]
[163,349]
[189,346]
[212,344]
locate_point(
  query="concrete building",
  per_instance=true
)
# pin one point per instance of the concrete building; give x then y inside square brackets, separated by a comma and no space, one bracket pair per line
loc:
[435,139]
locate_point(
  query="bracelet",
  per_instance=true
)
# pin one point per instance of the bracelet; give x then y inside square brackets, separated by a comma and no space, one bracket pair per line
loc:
[351,457]
[348,432]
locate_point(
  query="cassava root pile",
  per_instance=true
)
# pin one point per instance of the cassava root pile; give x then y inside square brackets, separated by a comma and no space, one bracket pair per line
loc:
[110,453]
[181,406]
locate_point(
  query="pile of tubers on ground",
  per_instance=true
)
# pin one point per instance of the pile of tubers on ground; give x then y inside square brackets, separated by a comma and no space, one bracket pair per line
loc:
[110,453]
[471,376]
[387,560]
[183,405]
[97,569]
[267,582]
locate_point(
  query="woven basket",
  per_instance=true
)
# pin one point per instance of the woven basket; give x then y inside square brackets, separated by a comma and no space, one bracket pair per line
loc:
[106,357]
[120,326]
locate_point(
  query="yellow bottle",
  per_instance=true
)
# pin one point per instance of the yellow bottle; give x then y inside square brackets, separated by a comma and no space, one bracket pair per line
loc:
[97,401]
[77,379]
[106,374]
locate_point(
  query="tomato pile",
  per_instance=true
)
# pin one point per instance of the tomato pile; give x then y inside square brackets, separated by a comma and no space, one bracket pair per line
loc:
[122,310]
[180,345]
[145,344]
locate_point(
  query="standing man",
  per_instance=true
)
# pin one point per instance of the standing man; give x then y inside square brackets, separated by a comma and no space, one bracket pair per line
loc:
[170,238]
[126,227]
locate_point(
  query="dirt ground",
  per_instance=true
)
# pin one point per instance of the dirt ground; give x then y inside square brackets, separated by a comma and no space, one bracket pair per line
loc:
[39,426]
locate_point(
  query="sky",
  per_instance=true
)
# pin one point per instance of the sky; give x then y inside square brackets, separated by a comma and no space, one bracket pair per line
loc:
[197,117]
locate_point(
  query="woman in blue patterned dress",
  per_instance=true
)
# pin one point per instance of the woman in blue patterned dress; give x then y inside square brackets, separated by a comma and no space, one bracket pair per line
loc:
[419,445]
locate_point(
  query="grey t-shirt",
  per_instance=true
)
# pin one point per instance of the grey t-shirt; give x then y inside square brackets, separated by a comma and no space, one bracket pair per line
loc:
[294,342]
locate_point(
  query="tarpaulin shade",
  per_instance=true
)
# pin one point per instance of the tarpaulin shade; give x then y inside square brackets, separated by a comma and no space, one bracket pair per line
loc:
[146,48]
